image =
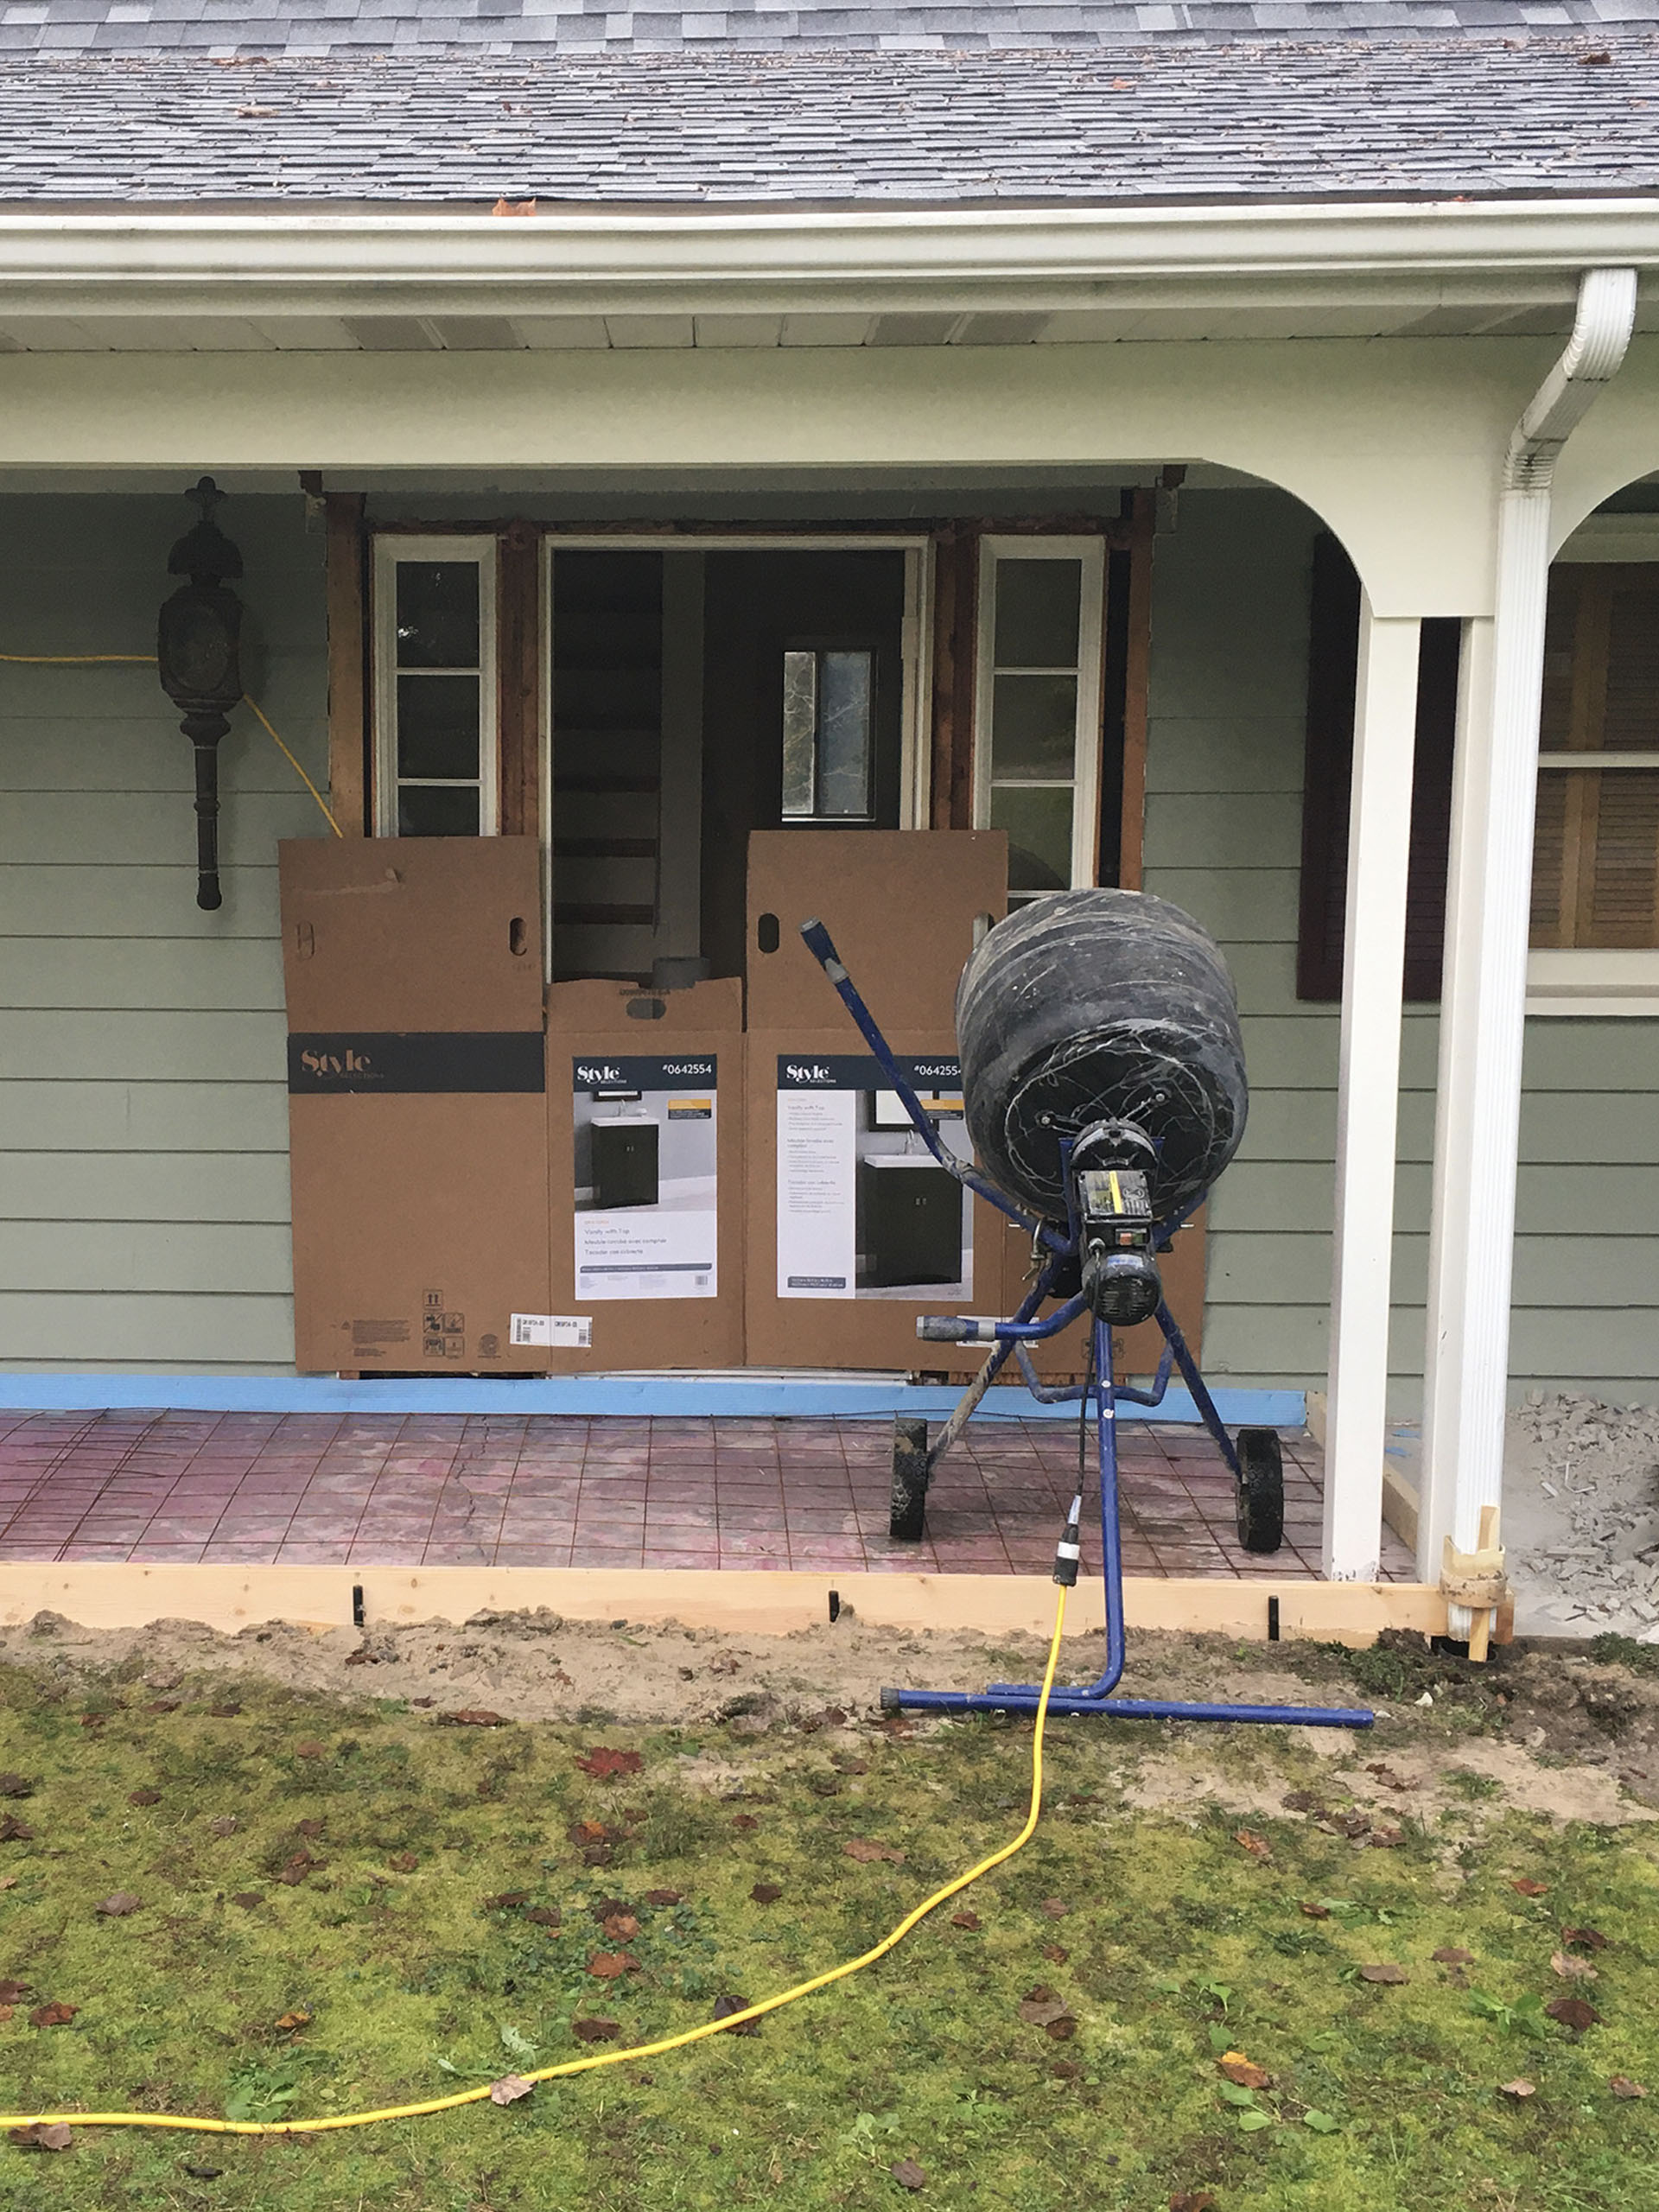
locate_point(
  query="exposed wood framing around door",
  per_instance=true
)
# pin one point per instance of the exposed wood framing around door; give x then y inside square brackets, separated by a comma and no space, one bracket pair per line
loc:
[518,680]
[956,580]
[1136,681]
[347,602]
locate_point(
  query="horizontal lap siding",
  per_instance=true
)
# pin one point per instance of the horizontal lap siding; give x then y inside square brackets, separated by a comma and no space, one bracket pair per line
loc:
[1223,828]
[143,1126]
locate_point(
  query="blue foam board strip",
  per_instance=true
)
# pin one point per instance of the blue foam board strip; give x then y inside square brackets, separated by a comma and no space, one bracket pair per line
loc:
[667,1396]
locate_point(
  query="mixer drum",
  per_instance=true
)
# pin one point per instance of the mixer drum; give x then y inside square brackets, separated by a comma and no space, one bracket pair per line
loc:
[1092,1005]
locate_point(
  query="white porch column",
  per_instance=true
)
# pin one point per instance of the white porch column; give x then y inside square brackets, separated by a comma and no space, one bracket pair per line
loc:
[1484,1000]
[1379,850]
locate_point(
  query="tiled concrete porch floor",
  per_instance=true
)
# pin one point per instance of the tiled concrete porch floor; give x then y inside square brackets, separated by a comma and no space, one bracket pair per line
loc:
[558,1491]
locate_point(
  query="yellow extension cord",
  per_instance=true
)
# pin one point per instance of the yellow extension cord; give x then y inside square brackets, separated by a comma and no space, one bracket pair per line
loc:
[608,2057]
[148,660]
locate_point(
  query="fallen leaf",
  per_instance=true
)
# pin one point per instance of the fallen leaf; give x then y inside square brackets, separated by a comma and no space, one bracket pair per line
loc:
[11,1992]
[226,1824]
[1584,1939]
[55,2015]
[247,1899]
[1599,60]
[424,1703]
[845,1763]
[510,2088]
[6,2012]
[1621,2086]
[604,1909]
[1349,1824]
[506,1901]
[224,1712]
[1384,1970]
[1313,1911]
[310,1749]
[908,2174]
[1574,2012]
[297,2018]
[727,2007]
[1192,2200]
[203,2173]
[1517,2088]
[595,2030]
[604,1764]
[1244,2071]
[16,1785]
[1247,1839]
[118,1904]
[1526,1887]
[144,1797]
[543,1915]
[970,1921]
[1056,1954]
[297,1868]
[866,1852]
[1041,2007]
[1571,1969]
[1451,1957]
[42,2135]
[1054,1908]
[165,1704]
[606,1965]
[587,1831]
[309,1828]
[474,1717]
[1385,1839]
[766,1893]
[1301,1800]
[503,207]
[12,1830]
[403,1862]
[663,1896]
[745,1821]
[7,1881]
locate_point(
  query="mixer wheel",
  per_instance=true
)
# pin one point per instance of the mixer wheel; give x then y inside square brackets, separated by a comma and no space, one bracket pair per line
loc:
[1261,1492]
[907,1519]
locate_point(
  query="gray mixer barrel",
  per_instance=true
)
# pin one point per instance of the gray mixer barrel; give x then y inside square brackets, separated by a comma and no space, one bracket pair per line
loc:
[1100,1006]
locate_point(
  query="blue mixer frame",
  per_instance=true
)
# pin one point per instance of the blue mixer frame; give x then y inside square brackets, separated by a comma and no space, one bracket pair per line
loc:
[1010,1337]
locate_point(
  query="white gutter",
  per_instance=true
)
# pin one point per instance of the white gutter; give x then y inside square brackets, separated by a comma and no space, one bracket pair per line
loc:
[576,260]
[1483,1012]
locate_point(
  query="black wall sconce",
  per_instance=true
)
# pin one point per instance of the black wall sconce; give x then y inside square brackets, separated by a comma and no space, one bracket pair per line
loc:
[197,649]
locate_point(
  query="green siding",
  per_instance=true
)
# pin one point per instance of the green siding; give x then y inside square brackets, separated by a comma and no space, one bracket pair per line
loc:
[1223,829]
[143,1125]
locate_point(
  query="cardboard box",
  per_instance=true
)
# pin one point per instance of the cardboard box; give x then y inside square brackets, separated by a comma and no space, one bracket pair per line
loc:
[416,1102]
[905,907]
[830,1254]
[646,1152]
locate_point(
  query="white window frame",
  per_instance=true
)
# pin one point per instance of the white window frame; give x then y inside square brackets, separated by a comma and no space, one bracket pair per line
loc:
[1090,551]
[389,548]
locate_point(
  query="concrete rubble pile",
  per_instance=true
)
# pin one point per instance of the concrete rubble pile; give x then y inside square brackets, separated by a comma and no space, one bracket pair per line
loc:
[1581,1516]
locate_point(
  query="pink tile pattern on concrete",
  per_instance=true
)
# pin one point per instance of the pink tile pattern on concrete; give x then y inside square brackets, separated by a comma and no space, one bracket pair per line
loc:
[561,1490]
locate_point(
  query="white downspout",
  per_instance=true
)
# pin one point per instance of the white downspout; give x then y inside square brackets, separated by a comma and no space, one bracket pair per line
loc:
[1484,1001]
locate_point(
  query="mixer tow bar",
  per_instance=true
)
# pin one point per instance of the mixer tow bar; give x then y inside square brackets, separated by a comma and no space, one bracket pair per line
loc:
[1095,1238]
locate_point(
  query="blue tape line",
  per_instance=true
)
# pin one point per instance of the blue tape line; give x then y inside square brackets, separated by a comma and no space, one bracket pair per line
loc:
[666,1396]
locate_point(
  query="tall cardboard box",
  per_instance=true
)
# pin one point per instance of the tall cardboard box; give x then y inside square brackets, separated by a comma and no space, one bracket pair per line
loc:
[416,1102]
[852,1229]
[645,1172]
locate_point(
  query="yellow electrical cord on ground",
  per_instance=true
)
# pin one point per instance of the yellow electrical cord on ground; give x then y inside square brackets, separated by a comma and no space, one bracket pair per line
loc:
[608,2057]
[148,660]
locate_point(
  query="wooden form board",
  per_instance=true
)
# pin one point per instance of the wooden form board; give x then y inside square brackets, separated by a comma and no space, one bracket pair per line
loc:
[229,1599]
[608,1026]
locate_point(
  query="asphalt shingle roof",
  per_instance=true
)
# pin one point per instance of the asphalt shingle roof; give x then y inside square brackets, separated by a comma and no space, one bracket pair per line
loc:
[1264,120]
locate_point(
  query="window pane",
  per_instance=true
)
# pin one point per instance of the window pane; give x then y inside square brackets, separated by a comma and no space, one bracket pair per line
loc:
[434,810]
[1621,907]
[800,731]
[437,726]
[844,688]
[1034,725]
[1038,824]
[1037,611]
[437,615]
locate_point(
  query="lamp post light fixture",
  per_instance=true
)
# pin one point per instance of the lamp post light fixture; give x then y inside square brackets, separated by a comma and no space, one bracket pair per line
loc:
[197,651]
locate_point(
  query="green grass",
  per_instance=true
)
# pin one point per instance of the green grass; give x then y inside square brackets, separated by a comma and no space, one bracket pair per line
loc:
[1179,1943]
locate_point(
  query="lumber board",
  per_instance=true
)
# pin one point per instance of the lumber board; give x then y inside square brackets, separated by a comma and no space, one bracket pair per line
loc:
[121,1594]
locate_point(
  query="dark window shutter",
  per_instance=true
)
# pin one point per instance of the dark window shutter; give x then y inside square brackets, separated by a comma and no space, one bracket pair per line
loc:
[1333,664]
